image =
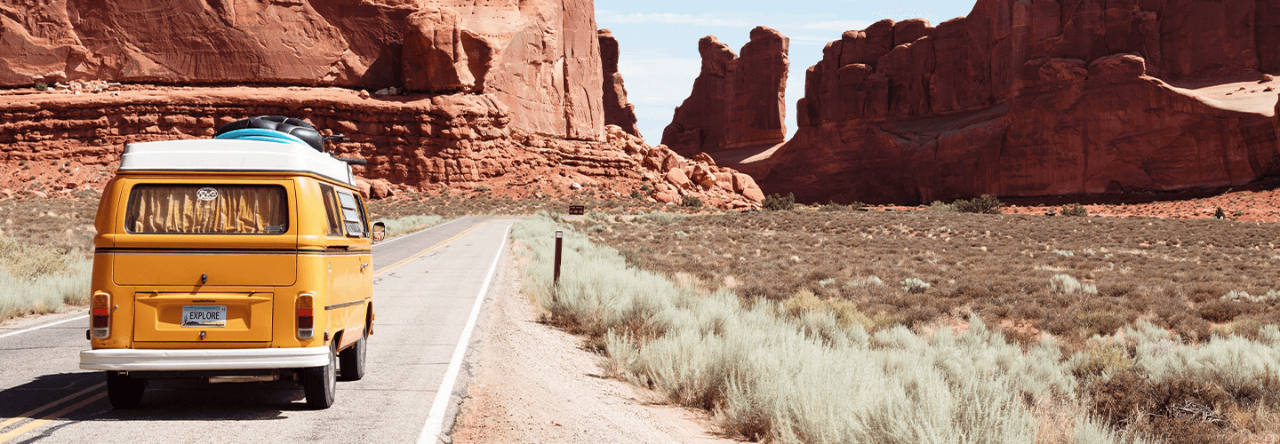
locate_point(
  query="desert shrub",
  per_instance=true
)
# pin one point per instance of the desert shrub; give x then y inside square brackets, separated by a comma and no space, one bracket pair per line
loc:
[1220,310]
[1074,210]
[1099,323]
[1066,284]
[915,286]
[938,205]
[42,86]
[483,188]
[1103,358]
[777,202]
[410,224]
[863,282]
[1245,369]
[1173,411]
[832,206]
[691,202]
[985,204]
[635,194]
[40,279]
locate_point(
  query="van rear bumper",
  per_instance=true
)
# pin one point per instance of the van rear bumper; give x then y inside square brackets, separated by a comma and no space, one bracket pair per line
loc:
[210,359]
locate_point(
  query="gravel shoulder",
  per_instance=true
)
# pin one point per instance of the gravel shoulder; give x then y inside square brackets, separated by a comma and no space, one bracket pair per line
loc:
[533,383]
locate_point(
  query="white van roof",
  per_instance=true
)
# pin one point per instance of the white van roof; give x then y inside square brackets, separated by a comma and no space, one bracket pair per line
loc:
[233,156]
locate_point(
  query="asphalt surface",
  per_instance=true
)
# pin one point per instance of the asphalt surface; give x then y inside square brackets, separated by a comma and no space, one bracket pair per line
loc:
[426,287]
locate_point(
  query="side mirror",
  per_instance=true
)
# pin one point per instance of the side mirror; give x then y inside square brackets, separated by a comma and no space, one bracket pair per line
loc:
[379,231]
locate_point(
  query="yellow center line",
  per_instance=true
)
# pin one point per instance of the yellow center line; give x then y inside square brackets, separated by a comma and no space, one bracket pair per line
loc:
[428,250]
[50,417]
[28,415]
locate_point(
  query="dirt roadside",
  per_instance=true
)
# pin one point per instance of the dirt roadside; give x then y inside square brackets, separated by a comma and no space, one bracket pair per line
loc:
[533,383]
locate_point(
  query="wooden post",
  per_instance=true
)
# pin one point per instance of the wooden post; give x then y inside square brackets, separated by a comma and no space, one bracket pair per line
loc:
[555,281]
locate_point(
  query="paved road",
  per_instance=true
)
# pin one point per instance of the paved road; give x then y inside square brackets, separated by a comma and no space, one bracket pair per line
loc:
[426,287]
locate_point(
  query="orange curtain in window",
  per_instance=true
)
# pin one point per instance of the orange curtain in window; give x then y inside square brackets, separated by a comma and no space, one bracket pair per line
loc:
[197,210]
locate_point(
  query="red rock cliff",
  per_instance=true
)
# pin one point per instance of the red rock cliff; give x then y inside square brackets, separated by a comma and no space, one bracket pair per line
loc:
[1039,98]
[539,57]
[617,110]
[52,142]
[736,102]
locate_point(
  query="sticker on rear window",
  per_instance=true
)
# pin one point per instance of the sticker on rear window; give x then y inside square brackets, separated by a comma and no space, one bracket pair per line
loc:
[207,194]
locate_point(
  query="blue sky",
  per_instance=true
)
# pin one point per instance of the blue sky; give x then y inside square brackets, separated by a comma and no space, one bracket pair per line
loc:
[658,40]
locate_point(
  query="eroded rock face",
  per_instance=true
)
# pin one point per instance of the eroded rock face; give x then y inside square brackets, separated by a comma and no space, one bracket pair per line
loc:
[617,110]
[736,101]
[539,57]
[1035,99]
[422,141]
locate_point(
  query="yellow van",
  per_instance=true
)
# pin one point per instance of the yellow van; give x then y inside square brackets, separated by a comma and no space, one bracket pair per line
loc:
[241,258]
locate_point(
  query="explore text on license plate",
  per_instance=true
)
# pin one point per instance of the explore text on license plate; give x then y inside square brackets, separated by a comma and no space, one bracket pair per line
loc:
[204,316]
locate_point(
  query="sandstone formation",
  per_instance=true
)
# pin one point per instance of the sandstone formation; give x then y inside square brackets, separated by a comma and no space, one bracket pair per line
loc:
[1038,98]
[617,110]
[737,102]
[539,57]
[424,142]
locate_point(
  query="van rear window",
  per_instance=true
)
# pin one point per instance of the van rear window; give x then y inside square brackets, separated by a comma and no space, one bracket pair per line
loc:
[207,209]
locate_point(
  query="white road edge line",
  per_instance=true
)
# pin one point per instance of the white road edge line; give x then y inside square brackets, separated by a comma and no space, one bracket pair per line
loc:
[64,321]
[379,244]
[435,419]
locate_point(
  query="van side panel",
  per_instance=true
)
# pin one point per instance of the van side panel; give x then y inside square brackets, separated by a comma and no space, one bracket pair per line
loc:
[344,262]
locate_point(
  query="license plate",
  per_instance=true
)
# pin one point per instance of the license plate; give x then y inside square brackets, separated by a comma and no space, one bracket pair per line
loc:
[204,316]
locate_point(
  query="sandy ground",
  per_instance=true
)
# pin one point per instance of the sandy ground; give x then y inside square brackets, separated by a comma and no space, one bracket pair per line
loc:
[533,383]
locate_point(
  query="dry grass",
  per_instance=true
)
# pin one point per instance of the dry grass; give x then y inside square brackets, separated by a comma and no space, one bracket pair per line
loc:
[46,248]
[1065,279]
[1072,277]
[63,223]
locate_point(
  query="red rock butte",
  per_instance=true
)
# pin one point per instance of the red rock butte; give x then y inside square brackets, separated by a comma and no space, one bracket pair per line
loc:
[737,102]
[617,110]
[1035,98]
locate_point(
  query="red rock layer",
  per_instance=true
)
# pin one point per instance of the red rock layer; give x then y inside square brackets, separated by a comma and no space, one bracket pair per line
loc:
[539,57]
[427,142]
[617,110]
[1034,99]
[736,102]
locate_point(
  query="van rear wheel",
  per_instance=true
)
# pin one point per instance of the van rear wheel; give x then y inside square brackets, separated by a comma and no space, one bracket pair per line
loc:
[321,383]
[124,391]
[351,360]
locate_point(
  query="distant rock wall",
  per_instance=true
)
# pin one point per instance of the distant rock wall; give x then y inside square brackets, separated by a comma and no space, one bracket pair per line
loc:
[1036,98]
[540,57]
[735,102]
[424,142]
[617,110]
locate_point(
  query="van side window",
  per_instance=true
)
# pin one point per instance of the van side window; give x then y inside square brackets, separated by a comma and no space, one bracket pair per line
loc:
[363,219]
[331,210]
[207,209]
[351,213]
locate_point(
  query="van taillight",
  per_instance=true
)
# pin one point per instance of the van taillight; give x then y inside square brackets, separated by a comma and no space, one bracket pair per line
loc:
[306,316]
[101,315]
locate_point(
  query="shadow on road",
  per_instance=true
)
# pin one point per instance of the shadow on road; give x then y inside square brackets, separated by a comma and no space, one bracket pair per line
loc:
[164,400]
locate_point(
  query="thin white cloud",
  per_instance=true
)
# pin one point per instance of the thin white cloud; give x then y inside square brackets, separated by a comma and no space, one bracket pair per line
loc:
[611,18]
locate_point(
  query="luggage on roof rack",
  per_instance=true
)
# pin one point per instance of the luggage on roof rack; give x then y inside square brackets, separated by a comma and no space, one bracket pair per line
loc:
[263,127]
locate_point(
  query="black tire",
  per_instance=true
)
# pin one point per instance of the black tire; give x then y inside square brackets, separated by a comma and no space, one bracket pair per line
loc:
[124,391]
[351,360]
[321,383]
